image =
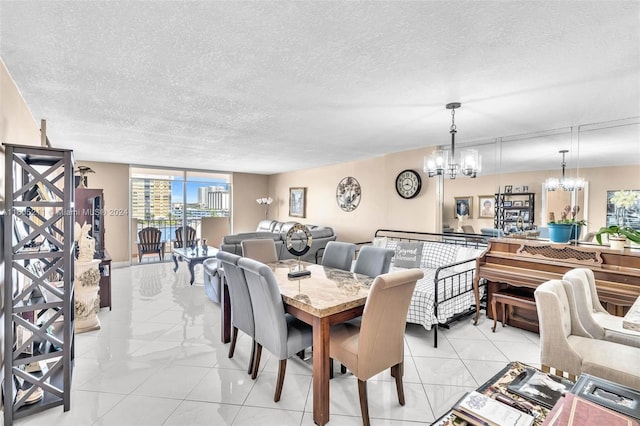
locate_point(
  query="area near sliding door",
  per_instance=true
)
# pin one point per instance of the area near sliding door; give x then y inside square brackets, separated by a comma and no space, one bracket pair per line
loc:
[177,202]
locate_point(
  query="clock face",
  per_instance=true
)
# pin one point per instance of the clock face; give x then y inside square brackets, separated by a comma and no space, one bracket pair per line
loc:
[408,184]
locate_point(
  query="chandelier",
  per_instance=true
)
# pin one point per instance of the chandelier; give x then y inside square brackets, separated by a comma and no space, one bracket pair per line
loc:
[564,183]
[442,161]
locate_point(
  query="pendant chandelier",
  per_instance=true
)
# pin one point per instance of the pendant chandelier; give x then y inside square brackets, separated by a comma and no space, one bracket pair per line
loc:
[443,161]
[564,183]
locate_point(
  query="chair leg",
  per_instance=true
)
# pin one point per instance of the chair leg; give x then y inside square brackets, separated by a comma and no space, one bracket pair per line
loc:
[330,368]
[397,372]
[281,370]
[364,404]
[256,361]
[253,352]
[234,337]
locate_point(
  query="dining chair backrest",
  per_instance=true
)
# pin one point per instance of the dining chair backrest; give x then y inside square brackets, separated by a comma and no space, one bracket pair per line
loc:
[381,340]
[242,315]
[338,255]
[271,329]
[584,302]
[373,261]
[150,239]
[262,250]
[191,237]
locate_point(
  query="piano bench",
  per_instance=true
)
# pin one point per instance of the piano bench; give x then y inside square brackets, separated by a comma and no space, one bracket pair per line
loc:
[513,297]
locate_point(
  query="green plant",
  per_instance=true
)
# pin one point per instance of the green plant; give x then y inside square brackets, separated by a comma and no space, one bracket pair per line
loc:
[618,231]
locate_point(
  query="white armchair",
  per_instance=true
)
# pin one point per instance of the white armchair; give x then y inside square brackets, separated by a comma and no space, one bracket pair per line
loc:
[595,319]
[566,346]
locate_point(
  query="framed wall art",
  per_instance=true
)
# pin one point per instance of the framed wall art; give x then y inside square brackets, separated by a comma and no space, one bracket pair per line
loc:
[462,206]
[487,206]
[298,202]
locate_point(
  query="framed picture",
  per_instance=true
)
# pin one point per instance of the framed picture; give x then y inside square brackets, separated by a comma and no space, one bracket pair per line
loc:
[487,206]
[511,214]
[298,202]
[517,203]
[526,203]
[462,206]
[525,188]
[518,189]
[507,189]
[540,388]
[608,394]
[632,213]
[506,204]
[525,215]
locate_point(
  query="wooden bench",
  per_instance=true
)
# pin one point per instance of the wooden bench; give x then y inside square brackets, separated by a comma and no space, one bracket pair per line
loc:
[513,297]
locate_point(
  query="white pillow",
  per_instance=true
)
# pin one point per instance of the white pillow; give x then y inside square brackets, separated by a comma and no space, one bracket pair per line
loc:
[379,242]
[465,253]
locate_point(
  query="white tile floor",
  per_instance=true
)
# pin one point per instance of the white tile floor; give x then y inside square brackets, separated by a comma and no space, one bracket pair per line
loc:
[158,360]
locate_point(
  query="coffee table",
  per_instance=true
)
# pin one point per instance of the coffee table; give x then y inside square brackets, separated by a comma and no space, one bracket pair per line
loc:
[192,257]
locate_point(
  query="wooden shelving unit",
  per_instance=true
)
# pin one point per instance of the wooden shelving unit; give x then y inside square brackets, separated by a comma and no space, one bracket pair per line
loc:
[514,208]
[38,275]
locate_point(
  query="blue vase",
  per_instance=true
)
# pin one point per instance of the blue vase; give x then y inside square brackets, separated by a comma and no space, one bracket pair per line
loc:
[560,232]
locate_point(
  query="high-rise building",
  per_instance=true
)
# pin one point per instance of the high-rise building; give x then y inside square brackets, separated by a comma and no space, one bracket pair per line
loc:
[150,198]
[213,197]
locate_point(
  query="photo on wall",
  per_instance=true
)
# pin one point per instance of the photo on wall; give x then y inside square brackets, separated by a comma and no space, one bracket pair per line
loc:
[631,214]
[487,206]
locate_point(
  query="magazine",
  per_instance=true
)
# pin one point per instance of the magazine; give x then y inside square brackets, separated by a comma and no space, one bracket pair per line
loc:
[540,388]
[479,409]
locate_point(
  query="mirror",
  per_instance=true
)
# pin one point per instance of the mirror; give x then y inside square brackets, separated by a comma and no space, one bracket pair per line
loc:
[606,155]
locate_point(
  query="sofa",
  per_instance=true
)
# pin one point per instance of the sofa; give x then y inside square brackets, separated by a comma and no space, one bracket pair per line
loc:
[277,231]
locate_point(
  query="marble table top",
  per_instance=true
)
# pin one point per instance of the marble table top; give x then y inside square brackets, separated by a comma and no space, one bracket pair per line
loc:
[631,320]
[325,292]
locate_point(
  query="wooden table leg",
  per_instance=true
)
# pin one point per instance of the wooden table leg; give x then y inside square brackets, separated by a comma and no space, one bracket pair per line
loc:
[493,311]
[320,370]
[225,312]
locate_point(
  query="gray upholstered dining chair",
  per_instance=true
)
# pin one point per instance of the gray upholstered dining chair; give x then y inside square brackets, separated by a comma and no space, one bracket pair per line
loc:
[595,319]
[338,255]
[280,333]
[566,346]
[378,343]
[373,261]
[241,308]
[262,250]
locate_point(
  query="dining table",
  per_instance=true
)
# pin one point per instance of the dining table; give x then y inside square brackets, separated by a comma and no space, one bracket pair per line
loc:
[325,297]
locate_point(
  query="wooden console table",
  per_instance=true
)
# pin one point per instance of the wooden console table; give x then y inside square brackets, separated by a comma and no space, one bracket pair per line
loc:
[105,281]
[528,263]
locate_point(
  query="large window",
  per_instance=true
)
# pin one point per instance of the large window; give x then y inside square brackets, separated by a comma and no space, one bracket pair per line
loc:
[172,199]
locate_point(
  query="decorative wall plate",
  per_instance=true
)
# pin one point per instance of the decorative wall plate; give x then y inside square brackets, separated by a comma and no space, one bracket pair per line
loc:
[348,194]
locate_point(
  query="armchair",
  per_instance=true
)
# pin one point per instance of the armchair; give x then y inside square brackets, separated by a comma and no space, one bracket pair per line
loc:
[149,242]
[191,237]
[566,346]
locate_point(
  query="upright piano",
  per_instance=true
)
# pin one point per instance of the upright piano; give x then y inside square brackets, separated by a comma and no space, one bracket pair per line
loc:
[525,263]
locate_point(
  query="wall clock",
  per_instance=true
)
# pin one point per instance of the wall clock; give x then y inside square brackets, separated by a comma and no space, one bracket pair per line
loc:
[408,184]
[348,194]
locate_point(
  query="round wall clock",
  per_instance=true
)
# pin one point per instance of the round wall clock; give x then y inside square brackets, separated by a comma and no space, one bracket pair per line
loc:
[298,240]
[408,184]
[348,194]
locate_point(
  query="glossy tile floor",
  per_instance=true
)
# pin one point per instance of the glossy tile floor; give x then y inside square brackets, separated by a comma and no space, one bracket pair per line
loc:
[158,360]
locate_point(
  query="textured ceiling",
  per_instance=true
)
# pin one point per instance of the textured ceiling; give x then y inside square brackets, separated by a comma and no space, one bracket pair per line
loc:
[267,87]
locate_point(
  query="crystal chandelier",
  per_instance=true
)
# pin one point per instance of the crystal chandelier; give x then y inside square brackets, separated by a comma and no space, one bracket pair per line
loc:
[442,161]
[564,183]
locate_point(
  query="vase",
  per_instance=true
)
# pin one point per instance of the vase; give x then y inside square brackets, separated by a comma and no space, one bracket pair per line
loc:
[617,243]
[87,298]
[560,232]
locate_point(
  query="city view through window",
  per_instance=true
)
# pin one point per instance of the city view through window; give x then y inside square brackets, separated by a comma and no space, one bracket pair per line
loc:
[168,201]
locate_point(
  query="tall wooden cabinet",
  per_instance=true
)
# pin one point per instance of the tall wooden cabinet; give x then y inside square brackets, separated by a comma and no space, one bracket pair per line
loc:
[38,280]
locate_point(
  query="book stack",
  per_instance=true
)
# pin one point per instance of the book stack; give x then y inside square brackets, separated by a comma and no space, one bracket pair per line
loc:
[479,409]
[573,410]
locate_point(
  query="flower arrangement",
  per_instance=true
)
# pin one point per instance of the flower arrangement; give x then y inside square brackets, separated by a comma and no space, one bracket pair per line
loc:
[568,216]
[622,200]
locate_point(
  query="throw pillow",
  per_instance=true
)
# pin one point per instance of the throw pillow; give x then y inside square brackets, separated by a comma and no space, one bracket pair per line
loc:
[436,255]
[408,255]
[380,242]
